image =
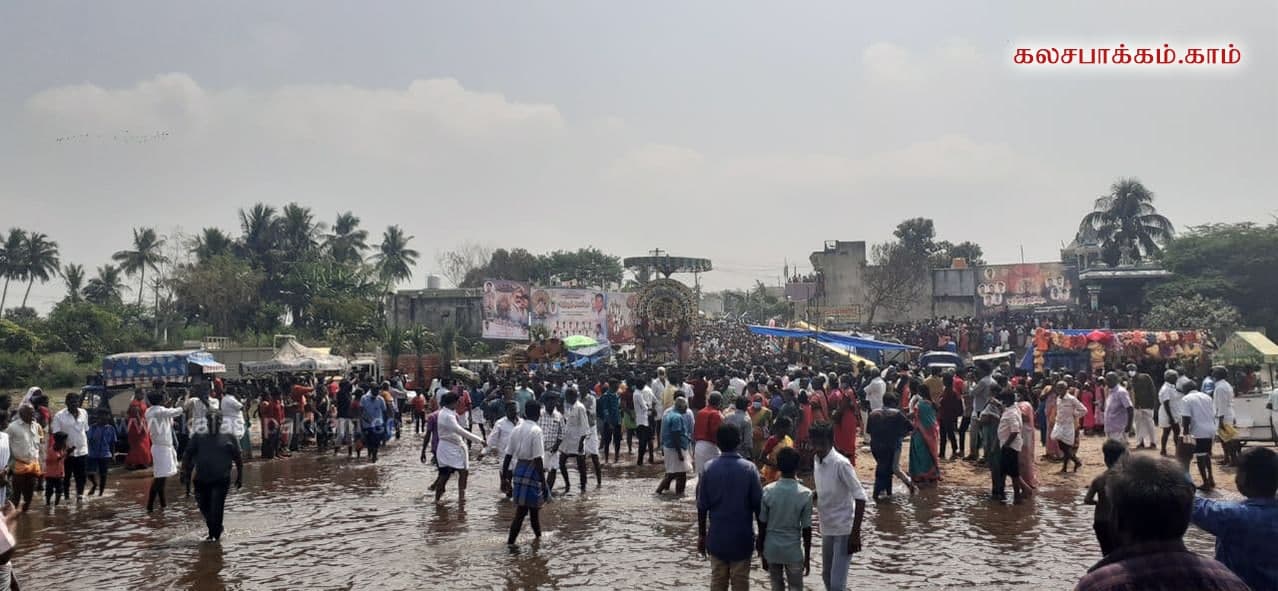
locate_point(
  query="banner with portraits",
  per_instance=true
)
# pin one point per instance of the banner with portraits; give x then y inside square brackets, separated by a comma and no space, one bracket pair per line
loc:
[568,312]
[505,314]
[1025,287]
[621,317]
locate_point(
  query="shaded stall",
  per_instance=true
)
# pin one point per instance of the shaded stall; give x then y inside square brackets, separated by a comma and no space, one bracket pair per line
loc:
[293,357]
[1250,348]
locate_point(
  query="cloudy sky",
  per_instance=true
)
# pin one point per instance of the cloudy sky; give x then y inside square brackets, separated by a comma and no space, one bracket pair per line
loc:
[743,132]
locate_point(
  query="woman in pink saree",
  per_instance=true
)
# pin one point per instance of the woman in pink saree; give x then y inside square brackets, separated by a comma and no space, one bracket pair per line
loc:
[1029,472]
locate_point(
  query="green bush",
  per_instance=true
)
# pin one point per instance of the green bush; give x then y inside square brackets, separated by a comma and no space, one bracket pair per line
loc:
[15,338]
[23,369]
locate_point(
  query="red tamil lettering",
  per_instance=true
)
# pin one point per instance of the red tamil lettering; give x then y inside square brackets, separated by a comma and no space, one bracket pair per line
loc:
[1023,56]
[1067,56]
[1232,55]
[1194,56]
[1121,56]
[1046,56]
[1143,56]
[1166,55]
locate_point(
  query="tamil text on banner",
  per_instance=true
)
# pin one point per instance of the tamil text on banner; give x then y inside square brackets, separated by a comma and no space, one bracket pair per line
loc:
[1027,286]
[621,317]
[568,312]
[505,309]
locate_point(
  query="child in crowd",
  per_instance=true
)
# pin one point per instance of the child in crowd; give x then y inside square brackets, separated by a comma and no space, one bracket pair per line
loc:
[1113,451]
[102,437]
[54,462]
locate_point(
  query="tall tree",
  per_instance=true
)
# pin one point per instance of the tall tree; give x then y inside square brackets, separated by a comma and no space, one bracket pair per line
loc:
[894,278]
[1237,263]
[299,232]
[348,242]
[458,263]
[11,260]
[259,233]
[212,242]
[104,289]
[146,254]
[421,341]
[394,258]
[39,260]
[1126,222]
[73,276]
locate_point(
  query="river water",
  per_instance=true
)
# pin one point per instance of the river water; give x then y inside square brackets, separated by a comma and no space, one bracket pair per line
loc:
[324,522]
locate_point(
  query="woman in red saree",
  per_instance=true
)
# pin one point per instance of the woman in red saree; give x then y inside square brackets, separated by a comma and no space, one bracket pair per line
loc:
[138,433]
[846,421]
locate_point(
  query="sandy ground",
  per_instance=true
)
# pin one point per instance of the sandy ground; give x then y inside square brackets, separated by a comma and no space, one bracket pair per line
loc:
[968,474]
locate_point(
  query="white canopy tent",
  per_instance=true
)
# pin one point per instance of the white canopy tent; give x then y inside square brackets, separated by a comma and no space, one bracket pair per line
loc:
[293,357]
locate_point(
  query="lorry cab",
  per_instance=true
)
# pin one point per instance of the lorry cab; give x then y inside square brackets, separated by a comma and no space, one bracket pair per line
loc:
[1255,417]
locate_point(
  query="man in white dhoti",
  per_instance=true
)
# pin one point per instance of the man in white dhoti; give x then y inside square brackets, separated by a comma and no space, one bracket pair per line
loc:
[451,455]
[164,461]
[1069,411]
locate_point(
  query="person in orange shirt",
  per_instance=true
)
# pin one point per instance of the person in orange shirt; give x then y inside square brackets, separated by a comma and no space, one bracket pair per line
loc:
[298,393]
[705,433]
[419,413]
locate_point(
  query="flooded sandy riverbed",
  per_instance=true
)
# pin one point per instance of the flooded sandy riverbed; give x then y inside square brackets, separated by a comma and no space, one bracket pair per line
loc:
[322,522]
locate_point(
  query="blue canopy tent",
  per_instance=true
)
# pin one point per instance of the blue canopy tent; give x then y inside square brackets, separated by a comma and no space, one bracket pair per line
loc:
[589,355]
[842,341]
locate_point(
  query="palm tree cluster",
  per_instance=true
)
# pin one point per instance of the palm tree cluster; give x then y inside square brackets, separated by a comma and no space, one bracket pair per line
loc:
[27,256]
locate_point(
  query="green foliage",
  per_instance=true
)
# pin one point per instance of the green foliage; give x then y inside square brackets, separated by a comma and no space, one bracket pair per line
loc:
[15,337]
[588,267]
[58,370]
[1195,312]
[222,291]
[86,330]
[1236,263]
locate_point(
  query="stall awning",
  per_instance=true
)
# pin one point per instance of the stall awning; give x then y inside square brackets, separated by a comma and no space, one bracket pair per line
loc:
[293,357]
[1247,347]
[830,337]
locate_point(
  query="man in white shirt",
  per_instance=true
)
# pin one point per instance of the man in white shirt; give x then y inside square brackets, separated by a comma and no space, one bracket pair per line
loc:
[1009,431]
[1223,396]
[645,413]
[451,455]
[1119,411]
[159,420]
[4,459]
[840,501]
[499,439]
[74,421]
[1169,408]
[1199,422]
[874,393]
[576,432]
[25,440]
[529,490]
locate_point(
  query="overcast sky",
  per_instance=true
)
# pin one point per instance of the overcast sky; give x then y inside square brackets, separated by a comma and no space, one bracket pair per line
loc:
[743,132]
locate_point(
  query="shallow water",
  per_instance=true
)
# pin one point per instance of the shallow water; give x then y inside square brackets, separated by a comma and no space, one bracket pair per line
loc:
[325,522]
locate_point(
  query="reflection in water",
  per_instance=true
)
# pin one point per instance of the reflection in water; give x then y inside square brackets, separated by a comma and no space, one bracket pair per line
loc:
[326,522]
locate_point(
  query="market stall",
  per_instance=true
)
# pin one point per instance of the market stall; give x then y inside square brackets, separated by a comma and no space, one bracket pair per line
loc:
[1088,349]
[1249,349]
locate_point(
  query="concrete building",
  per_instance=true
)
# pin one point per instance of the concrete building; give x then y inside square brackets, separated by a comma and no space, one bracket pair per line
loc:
[954,292]
[437,308]
[841,296]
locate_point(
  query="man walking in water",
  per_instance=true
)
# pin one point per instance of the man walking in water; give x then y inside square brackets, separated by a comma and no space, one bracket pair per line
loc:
[373,410]
[528,480]
[209,455]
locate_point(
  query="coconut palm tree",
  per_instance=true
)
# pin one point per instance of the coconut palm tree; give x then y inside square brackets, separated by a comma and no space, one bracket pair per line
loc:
[10,257]
[39,260]
[394,259]
[421,341]
[146,253]
[73,276]
[1125,221]
[348,242]
[260,228]
[106,287]
[299,231]
[210,243]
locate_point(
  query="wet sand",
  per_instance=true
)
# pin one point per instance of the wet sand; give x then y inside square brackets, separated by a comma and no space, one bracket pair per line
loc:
[324,522]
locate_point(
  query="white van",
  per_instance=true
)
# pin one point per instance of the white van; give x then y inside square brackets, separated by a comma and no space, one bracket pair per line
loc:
[1254,421]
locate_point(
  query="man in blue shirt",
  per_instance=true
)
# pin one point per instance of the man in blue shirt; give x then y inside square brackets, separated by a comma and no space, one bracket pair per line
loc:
[729,493]
[1245,531]
[373,418]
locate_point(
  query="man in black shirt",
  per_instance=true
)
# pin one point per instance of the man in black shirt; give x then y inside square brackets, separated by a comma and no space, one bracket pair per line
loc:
[210,454]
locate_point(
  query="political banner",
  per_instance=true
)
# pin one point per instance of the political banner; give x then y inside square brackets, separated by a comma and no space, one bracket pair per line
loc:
[505,310]
[1026,287]
[568,312]
[621,317]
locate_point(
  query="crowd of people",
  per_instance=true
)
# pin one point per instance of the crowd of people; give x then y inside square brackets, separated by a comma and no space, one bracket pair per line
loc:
[745,426]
